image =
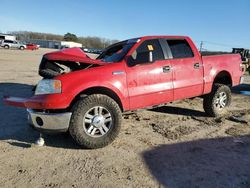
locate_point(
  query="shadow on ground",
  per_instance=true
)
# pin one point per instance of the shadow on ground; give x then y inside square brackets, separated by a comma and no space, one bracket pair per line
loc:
[243,89]
[13,124]
[179,111]
[220,162]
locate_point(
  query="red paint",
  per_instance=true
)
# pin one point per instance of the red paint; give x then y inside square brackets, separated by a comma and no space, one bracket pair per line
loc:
[32,47]
[72,54]
[148,85]
[139,86]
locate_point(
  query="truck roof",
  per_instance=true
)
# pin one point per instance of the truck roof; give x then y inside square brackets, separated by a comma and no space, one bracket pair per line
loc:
[164,36]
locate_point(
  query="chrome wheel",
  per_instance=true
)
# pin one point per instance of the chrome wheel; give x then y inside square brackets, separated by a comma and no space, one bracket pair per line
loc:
[221,100]
[97,121]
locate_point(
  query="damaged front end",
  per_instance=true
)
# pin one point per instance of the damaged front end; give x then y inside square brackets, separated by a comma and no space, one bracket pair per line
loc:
[65,61]
[47,108]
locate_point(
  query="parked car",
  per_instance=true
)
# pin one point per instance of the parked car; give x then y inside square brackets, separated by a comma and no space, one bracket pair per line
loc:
[89,97]
[95,51]
[12,44]
[32,46]
[85,49]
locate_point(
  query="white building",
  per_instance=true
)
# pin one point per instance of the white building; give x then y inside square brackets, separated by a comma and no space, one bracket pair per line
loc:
[54,44]
[69,44]
[7,37]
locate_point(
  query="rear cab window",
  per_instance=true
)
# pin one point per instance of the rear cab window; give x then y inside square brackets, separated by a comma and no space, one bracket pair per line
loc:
[180,48]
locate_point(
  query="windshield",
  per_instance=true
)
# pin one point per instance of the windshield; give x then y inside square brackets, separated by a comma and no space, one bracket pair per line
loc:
[116,52]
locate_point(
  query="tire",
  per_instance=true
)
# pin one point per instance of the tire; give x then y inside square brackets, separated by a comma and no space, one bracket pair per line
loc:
[216,103]
[93,132]
[21,48]
[6,47]
[48,73]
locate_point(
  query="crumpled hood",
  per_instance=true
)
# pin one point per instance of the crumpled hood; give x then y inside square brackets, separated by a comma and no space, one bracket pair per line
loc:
[72,54]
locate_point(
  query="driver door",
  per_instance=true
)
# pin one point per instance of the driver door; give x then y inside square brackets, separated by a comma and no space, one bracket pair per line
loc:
[149,82]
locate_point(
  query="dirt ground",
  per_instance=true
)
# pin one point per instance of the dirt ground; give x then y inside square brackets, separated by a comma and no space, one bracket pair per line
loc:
[172,146]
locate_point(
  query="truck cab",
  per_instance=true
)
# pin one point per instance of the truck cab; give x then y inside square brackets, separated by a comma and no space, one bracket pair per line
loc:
[157,68]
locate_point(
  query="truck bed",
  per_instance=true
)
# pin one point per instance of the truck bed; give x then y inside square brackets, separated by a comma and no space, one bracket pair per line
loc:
[213,64]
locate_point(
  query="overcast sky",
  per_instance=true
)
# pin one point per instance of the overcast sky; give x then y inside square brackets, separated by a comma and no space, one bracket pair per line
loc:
[223,23]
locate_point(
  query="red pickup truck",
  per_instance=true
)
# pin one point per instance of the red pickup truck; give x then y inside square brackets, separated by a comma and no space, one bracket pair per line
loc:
[88,96]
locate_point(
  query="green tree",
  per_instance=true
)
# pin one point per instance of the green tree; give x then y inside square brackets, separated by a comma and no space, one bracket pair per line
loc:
[70,37]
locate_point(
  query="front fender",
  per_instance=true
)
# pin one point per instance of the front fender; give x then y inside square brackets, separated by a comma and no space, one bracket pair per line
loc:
[118,91]
[77,82]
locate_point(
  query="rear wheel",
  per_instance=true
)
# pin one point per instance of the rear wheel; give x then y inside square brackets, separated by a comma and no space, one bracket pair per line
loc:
[217,102]
[6,47]
[95,121]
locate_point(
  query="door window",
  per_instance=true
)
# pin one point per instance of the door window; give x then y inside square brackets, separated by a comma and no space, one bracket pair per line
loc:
[141,54]
[180,49]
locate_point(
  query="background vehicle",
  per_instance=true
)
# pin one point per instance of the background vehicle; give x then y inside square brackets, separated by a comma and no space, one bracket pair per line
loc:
[32,46]
[87,96]
[95,51]
[85,49]
[245,57]
[12,44]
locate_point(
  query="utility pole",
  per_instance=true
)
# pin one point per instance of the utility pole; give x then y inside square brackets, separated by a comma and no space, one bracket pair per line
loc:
[201,46]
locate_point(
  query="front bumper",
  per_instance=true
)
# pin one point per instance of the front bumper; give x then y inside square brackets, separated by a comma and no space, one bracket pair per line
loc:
[49,122]
[49,101]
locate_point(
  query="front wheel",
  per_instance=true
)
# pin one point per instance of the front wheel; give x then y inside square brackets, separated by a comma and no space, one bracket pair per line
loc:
[95,121]
[216,103]
[21,48]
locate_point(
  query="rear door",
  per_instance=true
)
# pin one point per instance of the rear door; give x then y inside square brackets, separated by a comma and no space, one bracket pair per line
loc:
[149,83]
[187,69]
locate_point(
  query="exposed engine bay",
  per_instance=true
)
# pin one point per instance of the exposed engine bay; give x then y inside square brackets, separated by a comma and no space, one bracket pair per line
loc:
[65,61]
[51,68]
[72,59]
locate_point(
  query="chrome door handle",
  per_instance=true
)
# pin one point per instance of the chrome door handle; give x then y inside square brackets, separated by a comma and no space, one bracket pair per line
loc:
[166,69]
[197,65]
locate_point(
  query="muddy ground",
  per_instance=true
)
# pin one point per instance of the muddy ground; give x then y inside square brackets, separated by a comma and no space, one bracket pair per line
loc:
[172,146]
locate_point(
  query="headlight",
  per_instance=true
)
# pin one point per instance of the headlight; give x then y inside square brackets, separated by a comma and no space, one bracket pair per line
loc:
[48,86]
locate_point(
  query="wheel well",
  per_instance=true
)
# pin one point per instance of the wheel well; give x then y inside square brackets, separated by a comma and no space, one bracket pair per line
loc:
[98,90]
[223,78]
